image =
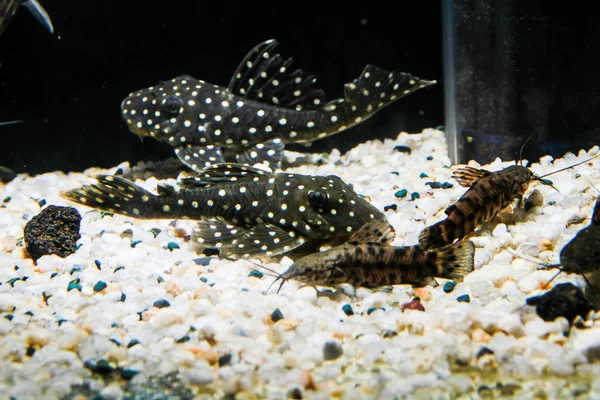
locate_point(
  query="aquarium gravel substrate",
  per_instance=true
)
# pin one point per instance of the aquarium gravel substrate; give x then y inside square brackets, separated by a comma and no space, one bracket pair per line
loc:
[136,303]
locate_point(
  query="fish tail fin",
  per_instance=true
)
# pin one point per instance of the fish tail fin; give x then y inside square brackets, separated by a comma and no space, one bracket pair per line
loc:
[115,194]
[376,88]
[436,235]
[454,261]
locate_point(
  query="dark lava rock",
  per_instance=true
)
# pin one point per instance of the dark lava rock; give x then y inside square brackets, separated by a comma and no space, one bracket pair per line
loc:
[403,149]
[564,300]
[6,175]
[53,231]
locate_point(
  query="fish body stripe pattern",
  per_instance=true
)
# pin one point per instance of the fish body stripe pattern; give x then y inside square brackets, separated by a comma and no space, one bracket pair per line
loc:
[488,194]
[266,105]
[373,264]
[242,210]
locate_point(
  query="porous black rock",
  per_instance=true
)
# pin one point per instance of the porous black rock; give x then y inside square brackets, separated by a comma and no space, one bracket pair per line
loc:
[53,231]
[564,300]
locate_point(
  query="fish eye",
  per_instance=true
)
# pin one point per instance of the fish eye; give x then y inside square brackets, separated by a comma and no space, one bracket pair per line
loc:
[172,104]
[318,198]
[351,187]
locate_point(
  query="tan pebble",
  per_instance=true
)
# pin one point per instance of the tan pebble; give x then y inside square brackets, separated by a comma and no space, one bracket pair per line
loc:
[182,234]
[172,288]
[546,245]
[288,324]
[210,356]
[479,335]
[307,381]
[275,335]
[340,335]
[423,293]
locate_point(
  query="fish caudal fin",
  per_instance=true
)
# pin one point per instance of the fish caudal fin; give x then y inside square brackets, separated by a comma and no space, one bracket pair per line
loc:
[455,260]
[376,88]
[118,195]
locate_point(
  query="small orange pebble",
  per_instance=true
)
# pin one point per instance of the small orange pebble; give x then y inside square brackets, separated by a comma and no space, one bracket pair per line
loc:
[423,293]
[479,335]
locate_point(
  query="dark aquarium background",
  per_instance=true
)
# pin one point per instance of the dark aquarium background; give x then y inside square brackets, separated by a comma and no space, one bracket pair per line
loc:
[67,87]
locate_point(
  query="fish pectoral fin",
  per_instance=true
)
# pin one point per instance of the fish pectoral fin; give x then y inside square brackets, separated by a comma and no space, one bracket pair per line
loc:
[375,231]
[268,78]
[468,176]
[269,153]
[199,157]
[337,273]
[38,12]
[222,172]
[236,240]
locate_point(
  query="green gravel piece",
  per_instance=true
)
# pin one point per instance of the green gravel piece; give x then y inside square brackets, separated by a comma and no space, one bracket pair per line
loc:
[256,274]
[347,309]
[276,315]
[449,286]
[100,286]
[423,175]
[401,193]
[172,246]
[415,195]
[465,298]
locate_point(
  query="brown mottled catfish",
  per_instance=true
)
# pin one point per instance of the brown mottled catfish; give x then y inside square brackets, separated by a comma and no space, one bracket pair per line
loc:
[488,194]
[266,105]
[368,260]
[241,210]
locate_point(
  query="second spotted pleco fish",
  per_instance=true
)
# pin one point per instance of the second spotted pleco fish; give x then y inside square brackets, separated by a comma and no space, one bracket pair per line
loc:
[266,105]
[242,210]
[368,260]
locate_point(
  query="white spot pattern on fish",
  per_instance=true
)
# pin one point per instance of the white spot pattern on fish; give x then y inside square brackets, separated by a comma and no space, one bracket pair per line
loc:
[278,103]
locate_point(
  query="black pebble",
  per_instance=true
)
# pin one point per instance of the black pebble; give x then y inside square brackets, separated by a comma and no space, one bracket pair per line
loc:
[332,350]
[55,230]
[161,304]
[393,207]
[211,252]
[565,299]
[483,351]
[434,185]
[403,149]
[225,360]
[204,261]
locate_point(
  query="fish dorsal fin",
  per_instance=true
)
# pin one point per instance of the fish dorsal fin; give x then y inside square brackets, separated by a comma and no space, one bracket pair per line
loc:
[223,172]
[267,78]
[377,231]
[468,176]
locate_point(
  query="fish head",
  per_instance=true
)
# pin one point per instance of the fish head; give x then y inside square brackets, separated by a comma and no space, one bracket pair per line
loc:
[164,110]
[328,205]
[318,268]
[519,178]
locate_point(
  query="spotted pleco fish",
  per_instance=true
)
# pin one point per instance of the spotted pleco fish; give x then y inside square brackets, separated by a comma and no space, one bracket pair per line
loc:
[368,260]
[8,8]
[265,106]
[243,210]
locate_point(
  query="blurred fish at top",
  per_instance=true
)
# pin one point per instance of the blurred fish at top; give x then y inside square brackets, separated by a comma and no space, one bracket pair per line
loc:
[8,8]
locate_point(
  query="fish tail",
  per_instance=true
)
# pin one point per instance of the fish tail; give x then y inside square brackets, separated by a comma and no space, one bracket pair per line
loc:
[436,235]
[376,88]
[115,194]
[454,261]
